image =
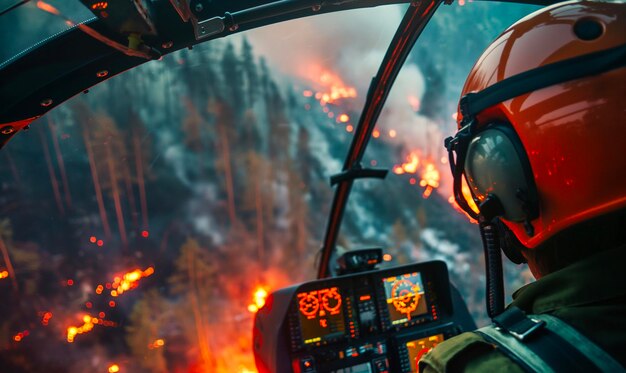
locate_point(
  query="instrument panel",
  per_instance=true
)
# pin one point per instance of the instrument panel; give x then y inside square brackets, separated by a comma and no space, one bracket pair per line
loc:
[375,321]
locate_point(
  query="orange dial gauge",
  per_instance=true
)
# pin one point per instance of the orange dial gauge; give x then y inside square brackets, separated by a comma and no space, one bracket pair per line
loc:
[309,304]
[405,296]
[331,300]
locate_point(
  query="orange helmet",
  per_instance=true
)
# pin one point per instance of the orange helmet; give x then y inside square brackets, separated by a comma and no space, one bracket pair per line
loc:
[542,122]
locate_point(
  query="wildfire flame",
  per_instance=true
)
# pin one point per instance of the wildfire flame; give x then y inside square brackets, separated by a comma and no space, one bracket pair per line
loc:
[410,166]
[331,88]
[430,179]
[429,174]
[88,324]
[334,88]
[127,282]
[259,296]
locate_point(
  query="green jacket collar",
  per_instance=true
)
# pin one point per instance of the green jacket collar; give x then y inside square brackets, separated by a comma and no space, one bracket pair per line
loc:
[600,277]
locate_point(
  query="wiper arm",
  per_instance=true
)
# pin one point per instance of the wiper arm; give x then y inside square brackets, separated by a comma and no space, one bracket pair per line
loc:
[288,9]
[412,25]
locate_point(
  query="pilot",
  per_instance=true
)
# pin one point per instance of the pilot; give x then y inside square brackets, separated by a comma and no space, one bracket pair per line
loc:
[541,151]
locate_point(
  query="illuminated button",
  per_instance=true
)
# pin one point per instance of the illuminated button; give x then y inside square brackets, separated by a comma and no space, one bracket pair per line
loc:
[351,351]
[307,365]
[381,348]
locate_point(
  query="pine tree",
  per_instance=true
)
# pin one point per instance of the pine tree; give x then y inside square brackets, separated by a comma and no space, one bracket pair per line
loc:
[110,150]
[232,80]
[250,72]
[148,319]
[194,282]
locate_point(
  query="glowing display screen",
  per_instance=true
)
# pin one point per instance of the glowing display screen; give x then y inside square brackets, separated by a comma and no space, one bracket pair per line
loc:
[405,297]
[321,315]
[419,347]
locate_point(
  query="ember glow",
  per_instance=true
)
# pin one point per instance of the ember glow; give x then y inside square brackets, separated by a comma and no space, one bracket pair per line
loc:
[334,88]
[259,296]
[430,179]
[331,89]
[409,167]
[156,344]
[429,176]
[128,281]
[19,336]
[45,318]
[4,274]
[88,324]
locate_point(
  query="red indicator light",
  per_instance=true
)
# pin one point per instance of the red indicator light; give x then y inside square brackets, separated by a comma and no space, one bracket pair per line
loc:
[70,282]
[365,297]
[100,243]
[112,304]
[100,5]
[145,234]
[93,239]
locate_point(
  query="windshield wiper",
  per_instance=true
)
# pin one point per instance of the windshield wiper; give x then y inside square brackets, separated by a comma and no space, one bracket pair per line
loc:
[412,25]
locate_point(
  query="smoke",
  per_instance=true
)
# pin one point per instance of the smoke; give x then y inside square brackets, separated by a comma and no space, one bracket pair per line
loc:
[352,45]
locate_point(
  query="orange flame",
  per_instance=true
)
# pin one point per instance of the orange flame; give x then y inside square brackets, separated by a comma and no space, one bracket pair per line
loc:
[332,88]
[4,274]
[259,296]
[429,174]
[410,166]
[88,323]
[128,281]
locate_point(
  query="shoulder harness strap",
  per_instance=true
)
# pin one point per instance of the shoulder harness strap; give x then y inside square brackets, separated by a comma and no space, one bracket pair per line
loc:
[543,343]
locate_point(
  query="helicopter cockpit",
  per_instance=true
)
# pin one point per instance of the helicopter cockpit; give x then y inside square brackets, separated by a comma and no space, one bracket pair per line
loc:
[360,316]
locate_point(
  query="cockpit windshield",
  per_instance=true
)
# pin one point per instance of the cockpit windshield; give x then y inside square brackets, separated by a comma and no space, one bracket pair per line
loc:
[144,221]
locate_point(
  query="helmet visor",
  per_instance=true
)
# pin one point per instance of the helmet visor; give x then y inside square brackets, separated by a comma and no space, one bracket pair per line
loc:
[494,166]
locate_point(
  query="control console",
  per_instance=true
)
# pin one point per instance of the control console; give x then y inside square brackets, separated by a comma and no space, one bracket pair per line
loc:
[376,321]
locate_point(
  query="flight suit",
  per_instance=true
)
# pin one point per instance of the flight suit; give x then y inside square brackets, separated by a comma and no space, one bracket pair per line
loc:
[589,295]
